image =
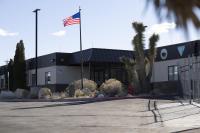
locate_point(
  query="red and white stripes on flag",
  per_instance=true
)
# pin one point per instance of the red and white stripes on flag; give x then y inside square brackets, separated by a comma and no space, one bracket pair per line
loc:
[75,19]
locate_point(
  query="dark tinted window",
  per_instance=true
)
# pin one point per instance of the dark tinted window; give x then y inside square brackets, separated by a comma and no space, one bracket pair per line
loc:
[173,73]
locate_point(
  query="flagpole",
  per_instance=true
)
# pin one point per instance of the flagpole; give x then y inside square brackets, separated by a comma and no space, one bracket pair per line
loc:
[81,51]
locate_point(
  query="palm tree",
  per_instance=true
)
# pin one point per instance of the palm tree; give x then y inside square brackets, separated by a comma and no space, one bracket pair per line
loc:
[183,11]
[140,67]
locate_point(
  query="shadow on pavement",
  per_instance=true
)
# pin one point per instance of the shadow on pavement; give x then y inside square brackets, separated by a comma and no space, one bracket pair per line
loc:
[61,104]
[80,101]
[188,130]
[191,114]
[68,115]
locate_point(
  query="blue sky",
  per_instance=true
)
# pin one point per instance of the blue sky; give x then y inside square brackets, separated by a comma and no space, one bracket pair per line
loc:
[105,24]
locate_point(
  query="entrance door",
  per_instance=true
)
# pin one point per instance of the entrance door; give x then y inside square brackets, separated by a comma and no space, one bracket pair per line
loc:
[99,76]
[2,83]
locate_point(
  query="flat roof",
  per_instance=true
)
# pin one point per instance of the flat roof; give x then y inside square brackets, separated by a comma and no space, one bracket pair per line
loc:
[100,55]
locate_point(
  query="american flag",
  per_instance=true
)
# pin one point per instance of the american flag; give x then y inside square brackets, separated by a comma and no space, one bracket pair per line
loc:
[74,19]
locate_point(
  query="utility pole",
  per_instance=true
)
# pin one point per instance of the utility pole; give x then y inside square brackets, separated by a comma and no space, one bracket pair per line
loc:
[36,43]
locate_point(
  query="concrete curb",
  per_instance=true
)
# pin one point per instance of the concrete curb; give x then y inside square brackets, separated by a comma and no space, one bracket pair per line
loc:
[68,99]
[165,97]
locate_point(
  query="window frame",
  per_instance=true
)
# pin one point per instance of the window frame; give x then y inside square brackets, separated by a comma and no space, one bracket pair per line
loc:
[33,79]
[47,78]
[174,73]
[2,83]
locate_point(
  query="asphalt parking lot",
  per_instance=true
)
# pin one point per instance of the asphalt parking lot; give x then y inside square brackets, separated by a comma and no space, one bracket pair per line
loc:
[117,116]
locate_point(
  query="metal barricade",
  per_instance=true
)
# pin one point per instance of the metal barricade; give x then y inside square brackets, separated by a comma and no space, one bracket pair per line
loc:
[189,79]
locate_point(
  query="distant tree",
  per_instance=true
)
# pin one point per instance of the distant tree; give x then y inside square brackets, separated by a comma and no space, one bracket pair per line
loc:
[140,67]
[6,77]
[11,78]
[182,11]
[19,67]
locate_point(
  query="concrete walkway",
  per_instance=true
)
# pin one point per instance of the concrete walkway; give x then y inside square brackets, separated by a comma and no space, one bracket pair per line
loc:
[181,116]
[118,116]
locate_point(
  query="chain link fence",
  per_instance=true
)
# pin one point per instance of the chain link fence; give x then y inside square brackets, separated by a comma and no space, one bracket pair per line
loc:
[189,79]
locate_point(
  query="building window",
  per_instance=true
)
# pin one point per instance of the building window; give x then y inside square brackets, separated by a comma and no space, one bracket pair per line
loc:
[99,76]
[118,74]
[173,73]
[47,77]
[2,83]
[27,79]
[113,73]
[124,76]
[33,79]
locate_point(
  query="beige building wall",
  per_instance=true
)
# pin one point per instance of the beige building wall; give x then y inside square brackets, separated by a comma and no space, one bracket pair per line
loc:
[41,75]
[160,69]
[59,74]
[68,74]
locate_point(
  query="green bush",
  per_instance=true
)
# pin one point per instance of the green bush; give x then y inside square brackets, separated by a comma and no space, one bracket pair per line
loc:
[112,88]
[21,93]
[7,95]
[76,85]
[34,92]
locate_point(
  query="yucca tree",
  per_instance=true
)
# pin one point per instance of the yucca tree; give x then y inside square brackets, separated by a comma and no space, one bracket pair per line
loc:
[152,53]
[183,11]
[138,44]
[130,66]
[140,67]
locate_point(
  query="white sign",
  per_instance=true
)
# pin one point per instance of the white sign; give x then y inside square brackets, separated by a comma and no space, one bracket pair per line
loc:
[181,50]
[163,54]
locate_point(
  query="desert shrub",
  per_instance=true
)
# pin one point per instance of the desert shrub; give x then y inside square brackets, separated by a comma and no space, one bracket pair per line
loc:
[58,95]
[7,95]
[76,85]
[44,93]
[86,93]
[21,93]
[79,93]
[70,90]
[34,92]
[91,85]
[111,88]
[62,94]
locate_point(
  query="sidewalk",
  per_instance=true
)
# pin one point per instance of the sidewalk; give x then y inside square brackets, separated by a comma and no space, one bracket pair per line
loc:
[180,116]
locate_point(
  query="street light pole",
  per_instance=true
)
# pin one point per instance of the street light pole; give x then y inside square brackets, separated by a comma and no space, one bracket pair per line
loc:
[36,43]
